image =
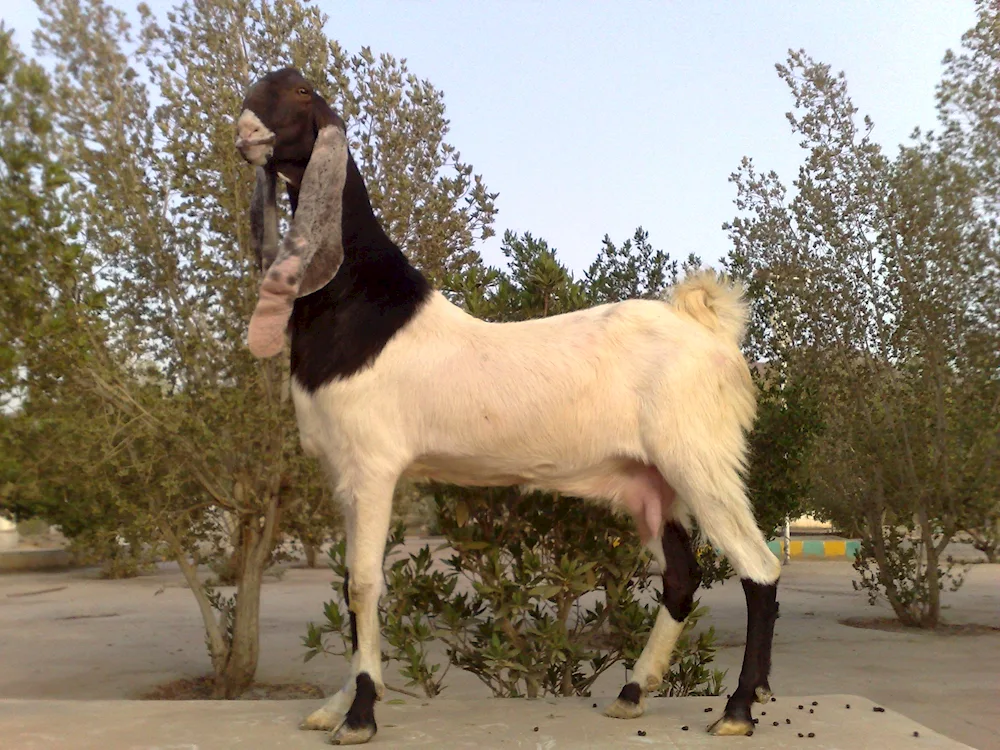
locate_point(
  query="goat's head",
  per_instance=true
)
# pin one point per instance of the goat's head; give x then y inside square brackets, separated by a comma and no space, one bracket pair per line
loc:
[287,128]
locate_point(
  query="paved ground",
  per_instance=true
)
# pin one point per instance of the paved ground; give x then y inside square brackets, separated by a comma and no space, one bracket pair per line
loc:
[444,724]
[70,636]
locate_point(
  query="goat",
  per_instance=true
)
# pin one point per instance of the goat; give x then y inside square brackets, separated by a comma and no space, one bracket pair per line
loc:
[642,404]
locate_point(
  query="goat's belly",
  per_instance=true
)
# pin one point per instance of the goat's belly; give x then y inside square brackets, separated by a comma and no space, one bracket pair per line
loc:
[473,471]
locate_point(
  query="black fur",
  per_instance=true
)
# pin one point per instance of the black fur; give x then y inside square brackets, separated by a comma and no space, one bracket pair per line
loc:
[350,612]
[682,576]
[631,693]
[762,611]
[341,328]
[362,711]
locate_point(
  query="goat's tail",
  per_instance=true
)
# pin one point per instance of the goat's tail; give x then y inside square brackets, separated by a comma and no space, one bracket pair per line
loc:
[718,306]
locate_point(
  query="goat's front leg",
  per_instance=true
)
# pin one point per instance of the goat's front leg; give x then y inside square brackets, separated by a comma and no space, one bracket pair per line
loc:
[372,507]
[332,714]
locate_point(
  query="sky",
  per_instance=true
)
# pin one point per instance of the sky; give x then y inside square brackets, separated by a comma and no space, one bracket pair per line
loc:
[595,118]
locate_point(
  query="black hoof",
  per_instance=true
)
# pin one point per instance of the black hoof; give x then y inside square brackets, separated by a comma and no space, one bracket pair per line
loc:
[359,723]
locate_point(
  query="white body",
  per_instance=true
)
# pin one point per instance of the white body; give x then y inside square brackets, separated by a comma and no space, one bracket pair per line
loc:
[582,403]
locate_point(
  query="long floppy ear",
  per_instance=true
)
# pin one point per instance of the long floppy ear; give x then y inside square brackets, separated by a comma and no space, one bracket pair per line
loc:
[324,115]
[264,219]
[313,248]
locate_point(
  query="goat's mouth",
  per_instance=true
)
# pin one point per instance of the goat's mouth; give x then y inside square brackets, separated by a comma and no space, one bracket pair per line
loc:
[256,151]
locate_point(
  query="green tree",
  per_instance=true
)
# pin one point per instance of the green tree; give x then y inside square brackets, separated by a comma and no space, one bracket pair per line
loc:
[968,99]
[198,447]
[867,282]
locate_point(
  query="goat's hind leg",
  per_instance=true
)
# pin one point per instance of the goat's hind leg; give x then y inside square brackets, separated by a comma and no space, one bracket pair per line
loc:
[723,513]
[681,578]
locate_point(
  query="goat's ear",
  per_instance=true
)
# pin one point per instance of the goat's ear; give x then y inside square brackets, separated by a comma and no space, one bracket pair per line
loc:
[323,114]
[264,219]
[312,250]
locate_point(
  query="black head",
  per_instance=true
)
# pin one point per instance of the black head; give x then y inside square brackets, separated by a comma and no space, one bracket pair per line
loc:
[280,119]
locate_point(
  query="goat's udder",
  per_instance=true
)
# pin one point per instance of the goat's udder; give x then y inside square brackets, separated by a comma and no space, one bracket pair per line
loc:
[648,497]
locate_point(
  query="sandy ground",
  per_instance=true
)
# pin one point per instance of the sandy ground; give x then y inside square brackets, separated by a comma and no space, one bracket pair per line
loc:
[71,636]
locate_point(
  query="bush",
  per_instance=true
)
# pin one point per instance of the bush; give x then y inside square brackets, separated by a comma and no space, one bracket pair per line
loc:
[535,622]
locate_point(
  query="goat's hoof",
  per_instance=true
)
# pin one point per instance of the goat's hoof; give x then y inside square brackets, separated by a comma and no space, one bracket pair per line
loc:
[322,719]
[731,727]
[346,735]
[630,703]
[762,694]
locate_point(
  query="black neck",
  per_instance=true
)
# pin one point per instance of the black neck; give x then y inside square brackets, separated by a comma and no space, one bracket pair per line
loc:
[343,327]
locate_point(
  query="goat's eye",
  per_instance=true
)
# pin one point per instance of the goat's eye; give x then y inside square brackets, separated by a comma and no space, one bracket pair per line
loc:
[304,91]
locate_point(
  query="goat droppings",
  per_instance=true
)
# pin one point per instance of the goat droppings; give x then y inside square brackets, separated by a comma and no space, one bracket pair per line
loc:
[641,733]
[878,709]
[708,710]
[684,728]
[916,734]
[811,734]
[535,729]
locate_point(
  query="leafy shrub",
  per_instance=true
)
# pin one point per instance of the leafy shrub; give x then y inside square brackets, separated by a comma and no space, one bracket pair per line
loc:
[560,594]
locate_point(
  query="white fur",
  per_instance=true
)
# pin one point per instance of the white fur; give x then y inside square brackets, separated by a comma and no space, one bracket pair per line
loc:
[572,403]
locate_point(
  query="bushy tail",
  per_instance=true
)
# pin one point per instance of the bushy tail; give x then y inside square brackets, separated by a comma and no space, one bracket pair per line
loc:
[718,306]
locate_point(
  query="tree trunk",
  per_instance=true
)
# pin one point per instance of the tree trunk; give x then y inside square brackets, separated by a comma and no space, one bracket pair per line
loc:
[244,651]
[310,551]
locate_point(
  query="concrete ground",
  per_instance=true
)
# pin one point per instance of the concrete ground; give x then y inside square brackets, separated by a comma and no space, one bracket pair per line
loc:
[547,724]
[69,636]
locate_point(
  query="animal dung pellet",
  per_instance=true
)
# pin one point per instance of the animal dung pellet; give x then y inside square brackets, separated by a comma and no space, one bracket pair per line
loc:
[775,723]
[815,703]
[641,733]
[848,705]
[755,721]
[684,728]
[811,734]
[535,729]
[788,721]
[595,705]
[878,709]
[811,711]
[773,699]
[916,734]
[800,734]
[800,707]
[763,713]
[708,710]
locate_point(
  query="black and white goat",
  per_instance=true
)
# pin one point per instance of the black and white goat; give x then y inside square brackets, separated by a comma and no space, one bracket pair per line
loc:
[643,405]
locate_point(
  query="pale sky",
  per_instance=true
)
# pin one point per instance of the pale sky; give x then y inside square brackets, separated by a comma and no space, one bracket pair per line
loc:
[593,118]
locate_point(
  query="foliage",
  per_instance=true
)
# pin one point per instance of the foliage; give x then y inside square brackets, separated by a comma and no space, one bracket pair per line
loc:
[876,291]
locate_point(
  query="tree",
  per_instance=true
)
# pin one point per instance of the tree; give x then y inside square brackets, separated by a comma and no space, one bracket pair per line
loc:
[47,286]
[869,281]
[968,100]
[187,415]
